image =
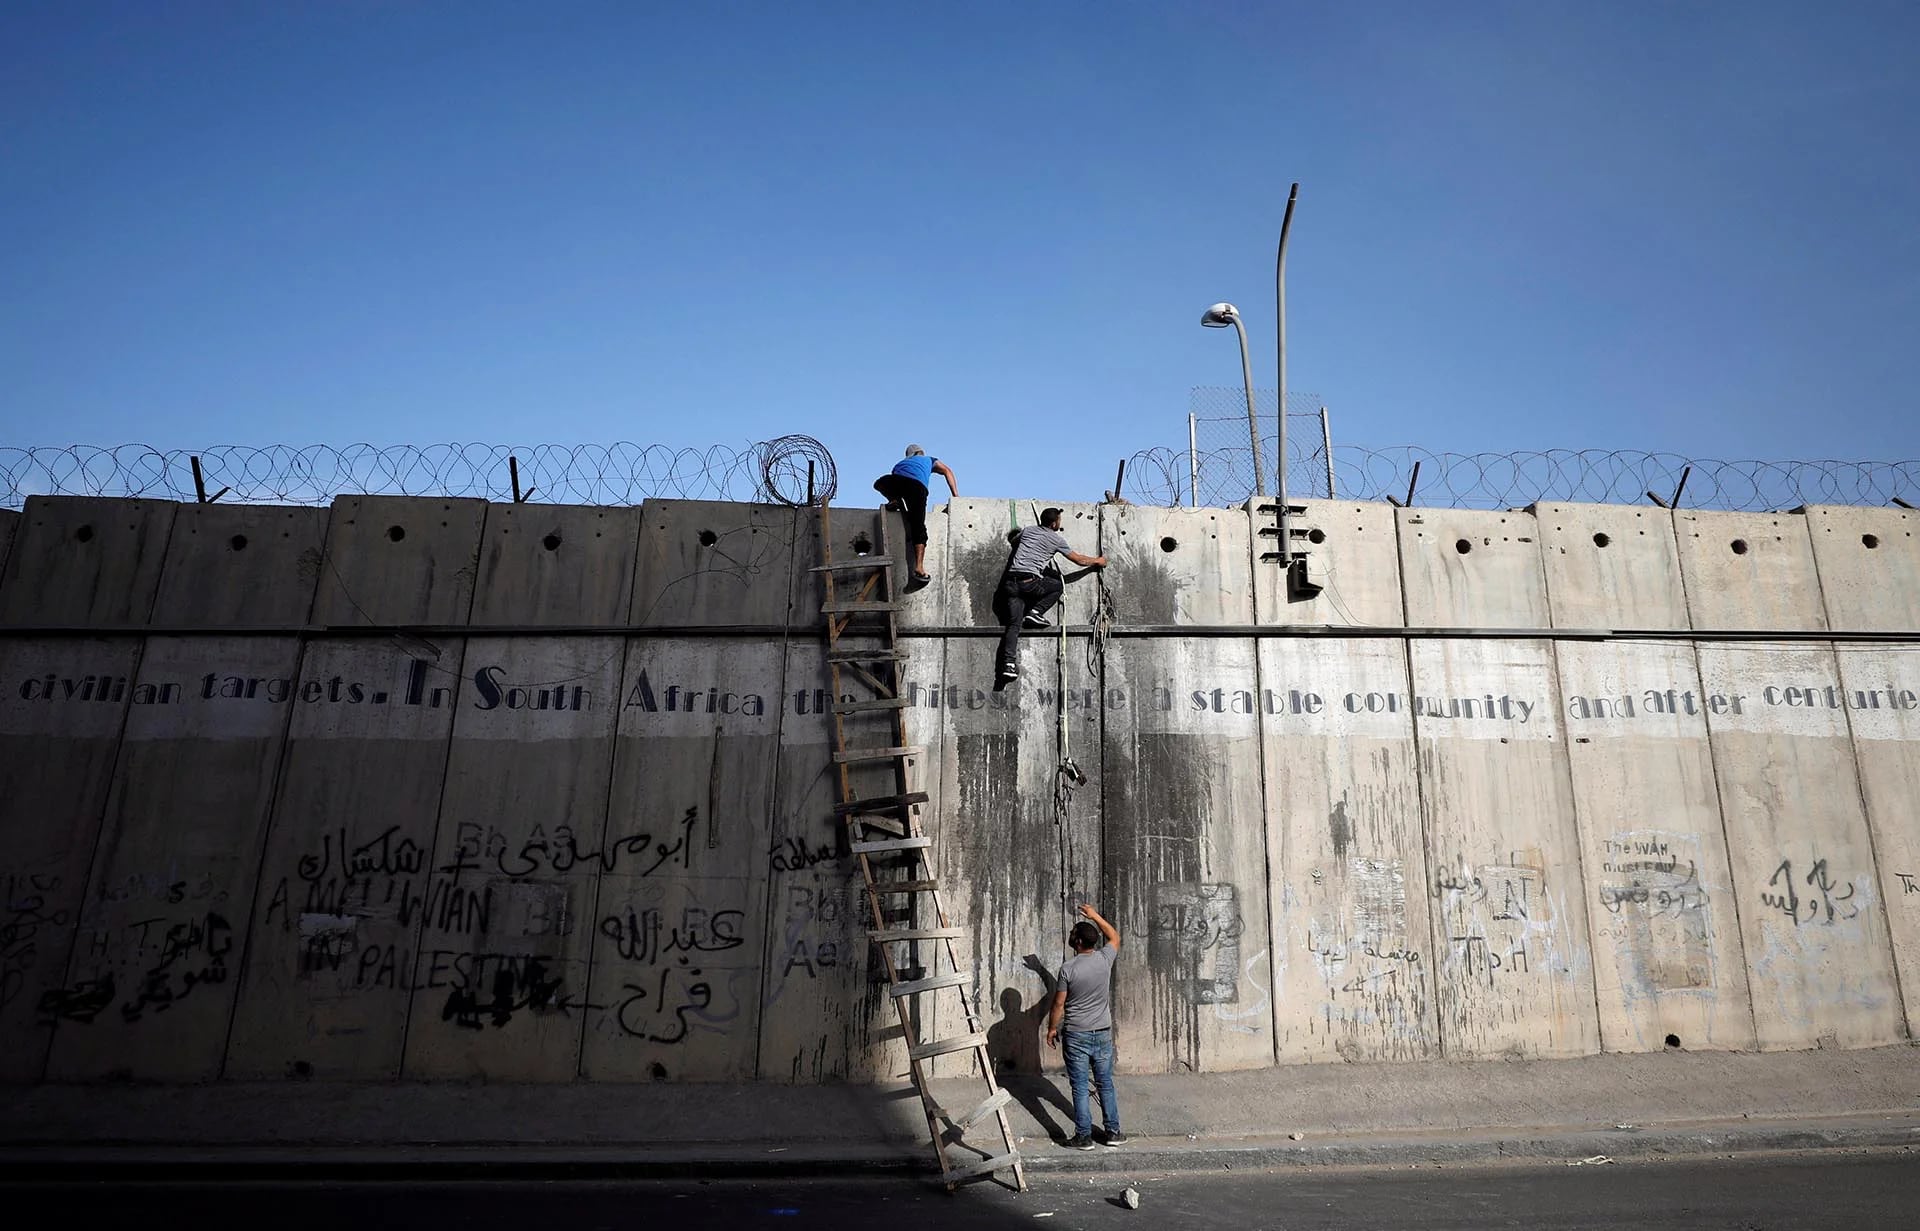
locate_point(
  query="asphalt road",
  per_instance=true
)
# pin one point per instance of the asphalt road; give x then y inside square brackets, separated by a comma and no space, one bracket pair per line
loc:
[1763,1193]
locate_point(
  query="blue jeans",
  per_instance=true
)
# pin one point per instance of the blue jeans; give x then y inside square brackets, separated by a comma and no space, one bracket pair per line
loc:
[1091,1050]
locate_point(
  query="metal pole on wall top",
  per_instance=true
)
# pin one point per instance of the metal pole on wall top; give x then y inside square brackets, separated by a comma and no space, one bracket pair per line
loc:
[1193,464]
[1280,333]
[1326,449]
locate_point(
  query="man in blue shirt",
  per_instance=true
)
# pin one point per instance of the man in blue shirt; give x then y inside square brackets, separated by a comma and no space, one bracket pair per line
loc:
[906,492]
[1083,1012]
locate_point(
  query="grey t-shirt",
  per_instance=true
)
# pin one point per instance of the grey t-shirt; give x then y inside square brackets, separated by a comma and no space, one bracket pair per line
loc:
[1086,979]
[1036,549]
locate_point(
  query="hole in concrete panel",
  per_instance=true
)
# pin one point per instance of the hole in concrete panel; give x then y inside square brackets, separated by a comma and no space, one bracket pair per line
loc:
[658,1071]
[551,542]
[84,534]
[1673,1040]
[300,1070]
[1169,543]
[1600,539]
[1870,540]
[238,542]
[862,545]
[1739,547]
[1316,535]
[1462,546]
[395,533]
[708,538]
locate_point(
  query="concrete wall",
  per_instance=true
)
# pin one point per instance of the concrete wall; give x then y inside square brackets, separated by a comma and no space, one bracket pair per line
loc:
[274,847]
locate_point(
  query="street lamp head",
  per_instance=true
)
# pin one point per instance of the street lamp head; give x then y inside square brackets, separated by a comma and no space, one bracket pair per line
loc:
[1220,316]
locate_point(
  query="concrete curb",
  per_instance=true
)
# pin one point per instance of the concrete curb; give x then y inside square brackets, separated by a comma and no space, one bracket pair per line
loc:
[151,1162]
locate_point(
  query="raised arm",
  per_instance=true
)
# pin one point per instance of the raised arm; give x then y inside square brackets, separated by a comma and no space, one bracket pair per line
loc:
[1107,930]
[1085,561]
[940,468]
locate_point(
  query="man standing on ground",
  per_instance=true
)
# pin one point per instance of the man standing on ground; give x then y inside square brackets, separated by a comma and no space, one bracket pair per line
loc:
[1028,589]
[906,490]
[1082,1010]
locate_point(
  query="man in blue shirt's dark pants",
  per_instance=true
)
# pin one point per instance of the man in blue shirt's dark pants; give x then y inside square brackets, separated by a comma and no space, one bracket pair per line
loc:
[906,490]
[1083,1012]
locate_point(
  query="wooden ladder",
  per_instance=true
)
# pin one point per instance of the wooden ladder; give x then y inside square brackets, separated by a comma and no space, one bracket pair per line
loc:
[885,836]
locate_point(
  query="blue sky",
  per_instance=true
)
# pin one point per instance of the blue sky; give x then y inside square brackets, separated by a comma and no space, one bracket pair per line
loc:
[989,228]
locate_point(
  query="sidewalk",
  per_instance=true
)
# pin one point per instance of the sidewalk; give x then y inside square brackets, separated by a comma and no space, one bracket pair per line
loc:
[1376,1115]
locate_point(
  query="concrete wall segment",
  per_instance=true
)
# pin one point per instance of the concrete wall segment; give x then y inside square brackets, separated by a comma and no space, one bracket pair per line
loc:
[1356,557]
[522,835]
[676,979]
[169,899]
[62,705]
[825,1015]
[1748,570]
[1881,686]
[239,564]
[715,562]
[9,524]
[1013,855]
[1185,854]
[1471,567]
[556,564]
[347,879]
[87,560]
[1514,970]
[1812,919]
[1869,562]
[1351,939]
[1611,566]
[1177,566]
[978,550]
[399,560]
[1668,958]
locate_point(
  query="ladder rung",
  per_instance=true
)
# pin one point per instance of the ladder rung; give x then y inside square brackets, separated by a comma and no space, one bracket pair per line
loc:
[940,1047]
[992,1103]
[878,754]
[884,938]
[859,562]
[878,654]
[914,987]
[883,703]
[999,1162]
[854,606]
[881,805]
[885,824]
[892,844]
[879,887]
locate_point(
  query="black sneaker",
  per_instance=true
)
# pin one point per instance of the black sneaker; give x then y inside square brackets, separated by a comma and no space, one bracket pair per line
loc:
[1114,1138]
[1007,675]
[1080,1142]
[1031,620]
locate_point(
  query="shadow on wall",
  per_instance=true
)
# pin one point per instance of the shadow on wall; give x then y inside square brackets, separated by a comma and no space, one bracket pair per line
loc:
[1014,1045]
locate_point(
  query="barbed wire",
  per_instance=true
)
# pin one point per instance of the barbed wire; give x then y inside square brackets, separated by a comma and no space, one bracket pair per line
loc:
[1515,480]
[615,474]
[777,470]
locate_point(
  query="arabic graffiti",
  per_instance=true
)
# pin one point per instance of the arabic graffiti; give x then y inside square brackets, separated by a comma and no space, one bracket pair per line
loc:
[647,936]
[1194,936]
[485,848]
[649,1013]
[1829,902]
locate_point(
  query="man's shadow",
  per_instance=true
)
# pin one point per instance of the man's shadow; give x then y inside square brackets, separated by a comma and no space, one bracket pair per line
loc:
[1014,1046]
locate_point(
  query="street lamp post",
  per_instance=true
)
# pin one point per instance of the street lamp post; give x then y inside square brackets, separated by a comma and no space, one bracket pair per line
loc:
[1280,333]
[1219,316]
